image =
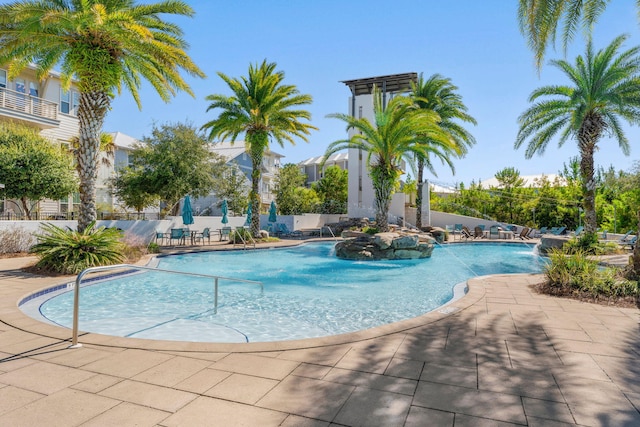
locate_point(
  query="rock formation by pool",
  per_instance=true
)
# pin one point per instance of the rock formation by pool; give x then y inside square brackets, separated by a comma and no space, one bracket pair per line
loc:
[362,247]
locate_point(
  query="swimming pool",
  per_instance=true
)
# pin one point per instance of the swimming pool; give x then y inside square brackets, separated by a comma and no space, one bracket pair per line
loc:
[308,293]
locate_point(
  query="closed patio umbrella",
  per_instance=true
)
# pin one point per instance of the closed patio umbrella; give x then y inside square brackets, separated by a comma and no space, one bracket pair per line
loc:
[248,215]
[272,212]
[187,211]
[225,211]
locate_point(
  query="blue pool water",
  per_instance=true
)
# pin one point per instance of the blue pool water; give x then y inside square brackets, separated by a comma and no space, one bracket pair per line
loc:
[307,293]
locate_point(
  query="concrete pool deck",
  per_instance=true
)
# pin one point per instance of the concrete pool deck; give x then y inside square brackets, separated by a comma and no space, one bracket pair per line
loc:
[500,356]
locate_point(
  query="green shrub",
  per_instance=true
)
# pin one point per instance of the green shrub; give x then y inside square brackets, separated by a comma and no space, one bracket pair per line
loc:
[69,252]
[370,230]
[239,234]
[575,273]
[153,248]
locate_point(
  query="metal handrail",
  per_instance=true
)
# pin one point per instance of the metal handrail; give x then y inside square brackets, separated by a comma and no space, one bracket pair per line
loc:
[76,291]
[244,242]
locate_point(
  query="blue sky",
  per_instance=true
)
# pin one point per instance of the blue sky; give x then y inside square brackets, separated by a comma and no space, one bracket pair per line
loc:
[318,44]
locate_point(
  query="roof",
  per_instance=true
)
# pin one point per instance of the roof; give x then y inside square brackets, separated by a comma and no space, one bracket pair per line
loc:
[530,181]
[390,83]
[232,150]
[334,158]
[122,140]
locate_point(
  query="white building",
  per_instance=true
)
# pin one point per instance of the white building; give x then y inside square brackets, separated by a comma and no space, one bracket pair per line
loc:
[311,167]
[45,106]
[361,195]
[237,155]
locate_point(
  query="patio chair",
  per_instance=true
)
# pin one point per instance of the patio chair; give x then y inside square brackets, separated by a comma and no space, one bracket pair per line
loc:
[178,234]
[494,232]
[161,236]
[478,232]
[224,233]
[578,231]
[204,234]
[457,229]
[466,233]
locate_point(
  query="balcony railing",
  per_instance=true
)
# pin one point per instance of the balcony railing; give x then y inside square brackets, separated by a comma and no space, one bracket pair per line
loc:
[33,105]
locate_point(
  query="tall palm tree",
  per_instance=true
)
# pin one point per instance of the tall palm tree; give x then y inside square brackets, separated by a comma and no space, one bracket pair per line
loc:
[261,109]
[539,21]
[438,94]
[605,88]
[104,45]
[391,138]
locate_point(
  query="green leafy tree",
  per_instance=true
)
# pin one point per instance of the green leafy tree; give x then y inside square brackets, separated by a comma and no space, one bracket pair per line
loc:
[232,186]
[130,186]
[173,162]
[439,95]
[103,45]
[390,139]
[287,182]
[261,107]
[606,88]
[33,168]
[508,190]
[333,189]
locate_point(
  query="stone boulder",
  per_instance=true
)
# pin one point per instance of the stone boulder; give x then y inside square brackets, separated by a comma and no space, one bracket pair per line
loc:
[548,242]
[385,246]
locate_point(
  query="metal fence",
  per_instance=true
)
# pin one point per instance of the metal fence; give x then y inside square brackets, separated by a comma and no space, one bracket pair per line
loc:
[70,216]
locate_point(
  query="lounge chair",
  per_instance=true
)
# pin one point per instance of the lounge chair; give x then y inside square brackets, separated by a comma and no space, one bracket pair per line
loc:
[630,244]
[523,233]
[539,233]
[466,233]
[494,232]
[478,232]
[558,230]
[178,234]
[624,239]
[284,231]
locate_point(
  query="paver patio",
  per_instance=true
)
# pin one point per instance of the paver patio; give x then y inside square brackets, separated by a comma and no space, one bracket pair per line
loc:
[500,356]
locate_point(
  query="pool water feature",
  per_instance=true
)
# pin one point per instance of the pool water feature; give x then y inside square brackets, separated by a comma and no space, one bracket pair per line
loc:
[308,293]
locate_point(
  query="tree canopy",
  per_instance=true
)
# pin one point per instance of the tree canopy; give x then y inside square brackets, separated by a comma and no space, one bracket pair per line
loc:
[33,168]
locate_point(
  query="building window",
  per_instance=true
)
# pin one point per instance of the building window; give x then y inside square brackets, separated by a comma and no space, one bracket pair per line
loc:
[360,112]
[3,78]
[20,86]
[65,101]
[75,102]
[33,89]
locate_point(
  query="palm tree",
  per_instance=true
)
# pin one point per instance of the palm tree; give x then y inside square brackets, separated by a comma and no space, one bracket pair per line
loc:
[539,20]
[103,45]
[605,88]
[438,94]
[391,138]
[261,109]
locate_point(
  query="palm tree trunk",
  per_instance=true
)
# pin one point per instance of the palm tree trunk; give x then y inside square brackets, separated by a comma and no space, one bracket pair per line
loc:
[588,134]
[258,145]
[636,251]
[419,193]
[383,187]
[91,113]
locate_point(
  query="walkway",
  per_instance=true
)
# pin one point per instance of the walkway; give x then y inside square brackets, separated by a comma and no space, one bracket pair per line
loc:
[500,356]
